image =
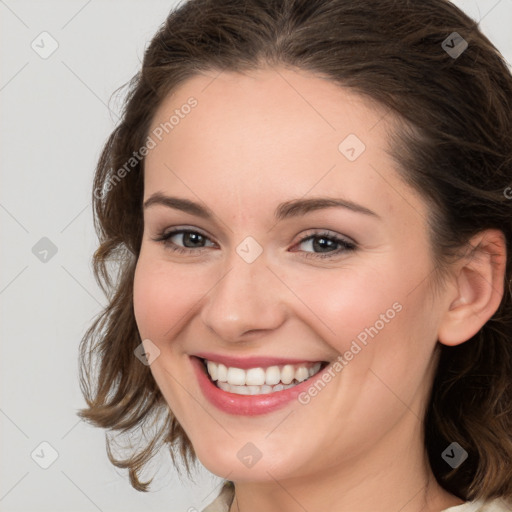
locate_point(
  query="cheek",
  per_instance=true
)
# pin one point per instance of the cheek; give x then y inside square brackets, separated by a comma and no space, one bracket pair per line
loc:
[345,302]
[384,308]
[165,295]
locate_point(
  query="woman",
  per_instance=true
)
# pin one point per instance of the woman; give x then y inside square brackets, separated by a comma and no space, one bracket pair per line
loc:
[307,201]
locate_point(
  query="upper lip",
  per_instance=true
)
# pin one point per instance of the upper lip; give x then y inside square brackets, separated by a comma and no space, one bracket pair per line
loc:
[251,362]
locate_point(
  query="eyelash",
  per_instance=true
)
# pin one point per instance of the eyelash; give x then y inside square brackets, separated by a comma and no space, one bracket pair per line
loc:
[346,245]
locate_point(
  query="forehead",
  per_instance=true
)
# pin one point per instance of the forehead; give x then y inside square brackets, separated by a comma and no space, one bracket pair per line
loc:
[271,135]
[262,102]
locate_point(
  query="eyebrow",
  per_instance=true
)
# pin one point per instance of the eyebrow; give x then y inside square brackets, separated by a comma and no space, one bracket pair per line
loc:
[286,210]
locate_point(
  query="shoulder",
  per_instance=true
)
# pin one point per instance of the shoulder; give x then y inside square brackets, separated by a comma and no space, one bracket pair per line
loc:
[496,505]
[224,499]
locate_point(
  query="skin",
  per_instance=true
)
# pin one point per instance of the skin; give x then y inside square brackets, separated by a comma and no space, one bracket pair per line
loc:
[253,141]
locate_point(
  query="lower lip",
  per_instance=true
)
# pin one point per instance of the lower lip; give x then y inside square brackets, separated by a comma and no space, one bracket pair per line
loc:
[247,405]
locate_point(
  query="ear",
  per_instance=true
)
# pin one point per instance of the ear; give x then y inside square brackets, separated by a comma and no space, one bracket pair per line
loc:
[478,288]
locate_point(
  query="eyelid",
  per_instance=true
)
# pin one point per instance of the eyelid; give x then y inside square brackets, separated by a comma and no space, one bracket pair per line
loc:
[182,228]
[164,236]
[347,244]
[327,233]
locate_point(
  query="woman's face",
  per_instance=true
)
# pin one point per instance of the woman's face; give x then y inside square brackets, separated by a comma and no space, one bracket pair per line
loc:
[253,277]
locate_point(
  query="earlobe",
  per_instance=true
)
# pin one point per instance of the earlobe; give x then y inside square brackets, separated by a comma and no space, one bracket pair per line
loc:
[479,288]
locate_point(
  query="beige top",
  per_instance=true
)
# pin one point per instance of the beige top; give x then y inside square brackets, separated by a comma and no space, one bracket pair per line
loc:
[226,495]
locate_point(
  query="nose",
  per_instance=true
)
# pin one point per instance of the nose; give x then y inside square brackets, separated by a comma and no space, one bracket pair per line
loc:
[248,299]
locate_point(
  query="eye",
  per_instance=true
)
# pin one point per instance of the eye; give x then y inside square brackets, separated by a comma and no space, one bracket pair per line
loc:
[192,240]
[326,243]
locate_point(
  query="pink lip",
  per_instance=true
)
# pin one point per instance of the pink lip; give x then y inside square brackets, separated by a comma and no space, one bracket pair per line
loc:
[248,405]
[249,362]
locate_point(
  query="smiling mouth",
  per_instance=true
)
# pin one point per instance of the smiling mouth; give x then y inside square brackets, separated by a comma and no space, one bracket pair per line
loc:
[261,380]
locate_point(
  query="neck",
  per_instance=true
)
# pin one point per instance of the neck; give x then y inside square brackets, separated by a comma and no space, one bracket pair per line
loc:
[394,475]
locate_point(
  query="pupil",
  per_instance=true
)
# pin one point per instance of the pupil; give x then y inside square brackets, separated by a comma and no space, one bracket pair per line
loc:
[193,238]
[317,245]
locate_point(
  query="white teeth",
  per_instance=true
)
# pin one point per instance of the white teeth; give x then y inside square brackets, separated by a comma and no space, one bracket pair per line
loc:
[212,370]
[252,390]
[301,374]
[239,390]
[255,381]
[287,374]
[272,375]
[222,372]
[223,385]
[314,369]
[236,376]
[255,377]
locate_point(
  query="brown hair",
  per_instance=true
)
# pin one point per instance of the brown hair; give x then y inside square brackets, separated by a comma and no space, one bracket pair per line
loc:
[453,143]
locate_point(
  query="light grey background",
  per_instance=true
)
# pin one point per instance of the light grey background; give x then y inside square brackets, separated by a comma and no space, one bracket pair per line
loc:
[55,117]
